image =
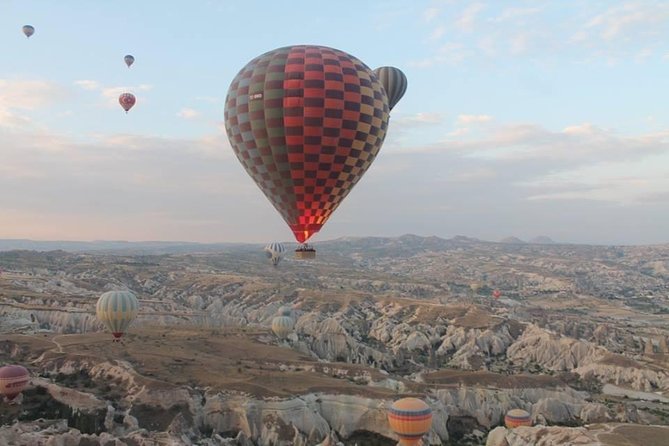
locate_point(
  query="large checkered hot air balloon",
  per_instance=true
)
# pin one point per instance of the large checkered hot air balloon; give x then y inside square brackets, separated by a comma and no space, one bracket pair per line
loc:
[13,379]
[306,122]
[410,419]
[117,310]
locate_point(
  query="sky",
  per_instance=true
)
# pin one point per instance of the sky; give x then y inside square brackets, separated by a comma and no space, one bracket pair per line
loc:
[521,118]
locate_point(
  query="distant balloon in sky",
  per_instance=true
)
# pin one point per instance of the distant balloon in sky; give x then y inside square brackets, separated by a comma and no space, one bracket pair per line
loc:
[13,379]
[129,60]
[28,30]
[306,122]
[282,326]
[410,419]
[117,310]
[395,83]
[127,101]
[517,417]
[275,252]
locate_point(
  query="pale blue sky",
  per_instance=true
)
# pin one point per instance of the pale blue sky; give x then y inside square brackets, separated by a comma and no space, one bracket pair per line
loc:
[521,117]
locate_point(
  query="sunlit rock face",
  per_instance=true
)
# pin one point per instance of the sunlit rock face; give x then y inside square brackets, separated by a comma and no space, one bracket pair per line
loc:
[595,435]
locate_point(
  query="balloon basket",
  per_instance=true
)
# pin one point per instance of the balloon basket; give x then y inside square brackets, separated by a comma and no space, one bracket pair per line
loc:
[305,252]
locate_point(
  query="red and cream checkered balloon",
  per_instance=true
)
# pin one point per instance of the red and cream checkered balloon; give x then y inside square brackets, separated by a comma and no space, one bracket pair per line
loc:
[306,122]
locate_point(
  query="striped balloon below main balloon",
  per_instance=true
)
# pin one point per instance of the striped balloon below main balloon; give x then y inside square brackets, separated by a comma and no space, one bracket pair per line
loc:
[282,326]
[410,419]
[275,252]
[13,379]
[517,417]
[117,310]
[286,310]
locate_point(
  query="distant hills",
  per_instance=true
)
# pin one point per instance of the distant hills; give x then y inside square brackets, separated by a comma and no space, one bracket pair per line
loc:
[540,240]
[405,242]
[150,247]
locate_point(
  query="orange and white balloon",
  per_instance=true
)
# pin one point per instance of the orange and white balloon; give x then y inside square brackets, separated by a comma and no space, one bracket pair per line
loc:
[410,419]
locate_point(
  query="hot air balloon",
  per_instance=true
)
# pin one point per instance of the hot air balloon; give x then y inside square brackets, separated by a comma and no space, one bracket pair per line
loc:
[496,294]
[275,252]
[129,59]
[395,83]
[117,310]
[13,379]
[286,310]
[410,419]
[517,417]
[306,122]
[282,326]
[127,101]
[28,30]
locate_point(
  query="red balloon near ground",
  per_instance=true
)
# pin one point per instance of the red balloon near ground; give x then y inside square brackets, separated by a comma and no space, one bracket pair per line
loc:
[127,101]
[496,294]
[13,379]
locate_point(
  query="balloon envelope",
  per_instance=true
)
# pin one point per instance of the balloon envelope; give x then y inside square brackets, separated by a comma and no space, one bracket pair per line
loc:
[517,417]
[28,30]
[129,60]
[496,294]
[275,252]
[410,419]
[306,122]
[127,101]
[286,310]
[117,310]
[13,379]
[282,326]
[395,83]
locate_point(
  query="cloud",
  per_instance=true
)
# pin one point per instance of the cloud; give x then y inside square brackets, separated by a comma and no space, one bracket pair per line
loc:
[418,119]
[511,14]
[430,14]
[110,94]
[188,113]
[450,53]
[467,19]
[472,119]
[88,84]
[474,174]
[26,96]
[610,31]
[541,150]
[438,32]
[519,43]
[621,20]
[122,186]
[29,95]
[621,183]
[465,123]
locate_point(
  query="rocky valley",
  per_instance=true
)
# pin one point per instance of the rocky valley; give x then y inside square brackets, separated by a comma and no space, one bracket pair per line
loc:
[578,338]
